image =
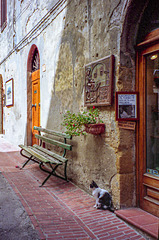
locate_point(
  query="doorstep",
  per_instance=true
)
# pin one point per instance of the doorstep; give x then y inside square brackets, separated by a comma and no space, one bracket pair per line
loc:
[140,219]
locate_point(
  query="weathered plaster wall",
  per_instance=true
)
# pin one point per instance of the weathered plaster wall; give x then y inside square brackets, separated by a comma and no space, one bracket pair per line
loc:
[85,38]
[69,37]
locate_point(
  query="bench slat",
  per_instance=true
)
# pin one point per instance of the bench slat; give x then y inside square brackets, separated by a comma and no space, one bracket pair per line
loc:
[56,133]
[39,156]
[52,141]
[58,157]
[51,159]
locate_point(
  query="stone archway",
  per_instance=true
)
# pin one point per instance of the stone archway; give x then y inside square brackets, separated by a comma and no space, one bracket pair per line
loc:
[126,156]
[31,66]
[128,40]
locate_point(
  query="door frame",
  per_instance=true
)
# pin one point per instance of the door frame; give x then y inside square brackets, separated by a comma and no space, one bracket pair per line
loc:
[150,45]
[28,139]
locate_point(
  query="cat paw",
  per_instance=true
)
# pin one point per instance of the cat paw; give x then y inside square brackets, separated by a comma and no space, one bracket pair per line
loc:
[105,207]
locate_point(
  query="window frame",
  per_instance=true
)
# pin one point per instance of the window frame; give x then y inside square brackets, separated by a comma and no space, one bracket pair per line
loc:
[3,19]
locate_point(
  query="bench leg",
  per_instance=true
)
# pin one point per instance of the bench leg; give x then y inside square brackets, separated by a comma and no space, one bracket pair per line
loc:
[53,172]
[26,163]
[65,172]
[29,159]
[50,173]
[46,179]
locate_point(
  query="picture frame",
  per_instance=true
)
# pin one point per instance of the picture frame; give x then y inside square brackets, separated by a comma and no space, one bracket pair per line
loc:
[127,106]
[9,93]
[99,76]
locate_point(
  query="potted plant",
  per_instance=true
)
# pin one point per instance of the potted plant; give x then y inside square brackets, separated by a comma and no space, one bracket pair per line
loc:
[80,123]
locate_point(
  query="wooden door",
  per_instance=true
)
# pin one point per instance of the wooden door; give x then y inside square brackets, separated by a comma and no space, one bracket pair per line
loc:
[148,128]
[35,103]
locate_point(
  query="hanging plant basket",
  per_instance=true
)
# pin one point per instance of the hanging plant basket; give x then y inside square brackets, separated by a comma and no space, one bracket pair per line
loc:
[96,129]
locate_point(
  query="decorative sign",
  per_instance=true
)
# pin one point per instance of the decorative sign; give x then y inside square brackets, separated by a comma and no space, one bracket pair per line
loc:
[99,82]
[126,106]
[9,93]
[127,125]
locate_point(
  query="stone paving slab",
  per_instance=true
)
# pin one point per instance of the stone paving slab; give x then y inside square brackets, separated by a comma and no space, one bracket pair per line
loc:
[59,209]
[141,219]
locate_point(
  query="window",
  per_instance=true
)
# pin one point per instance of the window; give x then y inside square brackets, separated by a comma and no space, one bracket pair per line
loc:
[35,61]
[152,113]
[3,14]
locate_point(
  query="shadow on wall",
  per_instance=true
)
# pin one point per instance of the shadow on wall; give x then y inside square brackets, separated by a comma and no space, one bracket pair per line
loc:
[91,158]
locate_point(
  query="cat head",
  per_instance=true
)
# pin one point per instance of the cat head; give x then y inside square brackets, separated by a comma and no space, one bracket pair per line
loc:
[93,185]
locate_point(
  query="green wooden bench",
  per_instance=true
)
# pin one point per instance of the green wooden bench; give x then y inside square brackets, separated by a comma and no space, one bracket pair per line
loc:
[46,157]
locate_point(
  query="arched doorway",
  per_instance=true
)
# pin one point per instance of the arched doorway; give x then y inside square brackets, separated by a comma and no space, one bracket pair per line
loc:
[33,93]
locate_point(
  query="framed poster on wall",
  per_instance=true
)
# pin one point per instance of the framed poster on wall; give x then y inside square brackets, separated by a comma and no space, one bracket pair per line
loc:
[9,93]
[127,106]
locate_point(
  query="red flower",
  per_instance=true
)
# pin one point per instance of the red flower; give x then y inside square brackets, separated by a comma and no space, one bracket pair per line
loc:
[73,125]
[94,107]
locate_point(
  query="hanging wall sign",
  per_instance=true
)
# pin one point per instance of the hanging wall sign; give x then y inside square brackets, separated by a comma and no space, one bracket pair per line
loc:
[99,82]
[9,93]
[127,125]
[126,106]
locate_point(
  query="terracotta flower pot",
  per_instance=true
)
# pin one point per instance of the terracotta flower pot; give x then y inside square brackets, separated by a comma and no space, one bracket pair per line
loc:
[95,129]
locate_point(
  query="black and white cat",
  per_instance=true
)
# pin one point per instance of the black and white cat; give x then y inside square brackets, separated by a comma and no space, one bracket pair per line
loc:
[102,197]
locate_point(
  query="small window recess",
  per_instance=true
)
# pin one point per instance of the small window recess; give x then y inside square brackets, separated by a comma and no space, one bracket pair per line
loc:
[3,14]
[35,61]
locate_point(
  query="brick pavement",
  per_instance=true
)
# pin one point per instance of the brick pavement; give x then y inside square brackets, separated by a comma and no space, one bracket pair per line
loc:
[59,209]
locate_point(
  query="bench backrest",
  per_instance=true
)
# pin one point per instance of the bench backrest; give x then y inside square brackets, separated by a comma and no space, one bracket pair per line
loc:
[61,142]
